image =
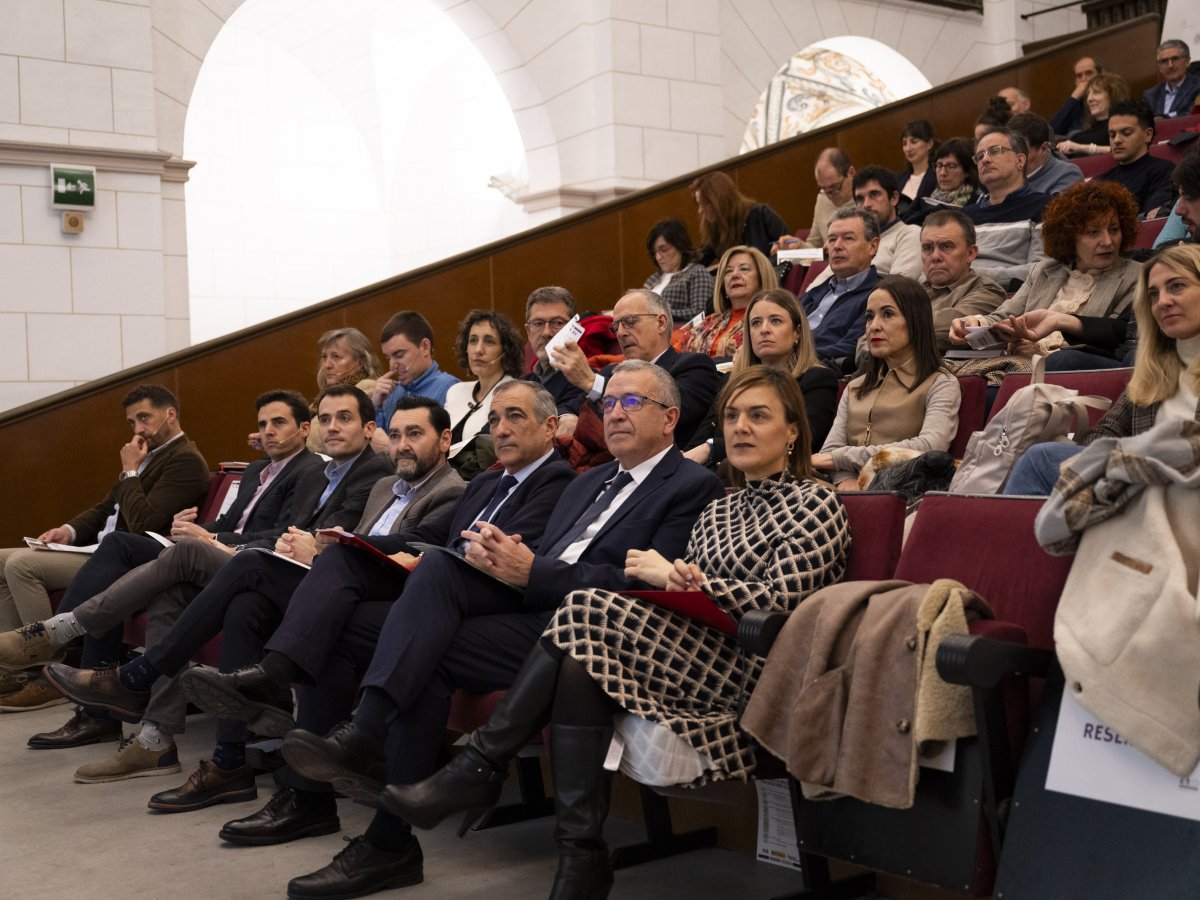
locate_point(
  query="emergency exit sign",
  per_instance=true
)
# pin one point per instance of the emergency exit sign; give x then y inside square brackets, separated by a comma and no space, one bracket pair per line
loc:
[72,187]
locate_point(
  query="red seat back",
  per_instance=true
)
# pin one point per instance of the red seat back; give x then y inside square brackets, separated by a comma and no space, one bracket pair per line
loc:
[876,533]
[1091,166]
[987,543]
[1149,231]
[1098,382]
[1165,129]
[1172,154]
[970,412]
[813,271]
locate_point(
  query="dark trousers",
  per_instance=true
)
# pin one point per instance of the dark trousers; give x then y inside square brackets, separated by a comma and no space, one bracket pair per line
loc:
[119,553]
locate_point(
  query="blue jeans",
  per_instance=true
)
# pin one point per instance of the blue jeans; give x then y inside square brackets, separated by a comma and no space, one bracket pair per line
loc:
[1068,360]
[1037,469]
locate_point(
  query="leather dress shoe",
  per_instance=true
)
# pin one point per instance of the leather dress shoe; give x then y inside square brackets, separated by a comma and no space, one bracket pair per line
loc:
[361,869]
[98,687]
[247,695]
[207,786]
[283,819]
[80,730]
[345,758]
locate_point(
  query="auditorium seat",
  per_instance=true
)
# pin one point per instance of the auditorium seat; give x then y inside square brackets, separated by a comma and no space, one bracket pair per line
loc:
[1091,166]
[1148,232]
[1095,382]
[1165,129]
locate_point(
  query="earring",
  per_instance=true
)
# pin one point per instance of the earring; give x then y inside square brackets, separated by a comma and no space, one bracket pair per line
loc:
[790,447]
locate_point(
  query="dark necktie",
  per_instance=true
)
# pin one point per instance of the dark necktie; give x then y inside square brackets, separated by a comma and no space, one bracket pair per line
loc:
[591,514]
[505,485]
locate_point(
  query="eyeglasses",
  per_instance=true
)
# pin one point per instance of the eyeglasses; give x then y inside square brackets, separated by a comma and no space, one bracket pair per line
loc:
[629,321]
[832,188]
[629,402]
[946,167]
[536,325]
[1170,60]
[991,151]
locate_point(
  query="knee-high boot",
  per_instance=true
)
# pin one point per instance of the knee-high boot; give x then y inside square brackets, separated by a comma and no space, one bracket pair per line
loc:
[581,793]
[472,781]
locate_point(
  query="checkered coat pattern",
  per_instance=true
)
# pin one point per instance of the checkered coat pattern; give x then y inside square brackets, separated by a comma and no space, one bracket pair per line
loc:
[766,547]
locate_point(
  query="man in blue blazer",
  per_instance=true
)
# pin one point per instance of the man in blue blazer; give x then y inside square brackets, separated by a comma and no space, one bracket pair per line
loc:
[837,309]
[1178,91]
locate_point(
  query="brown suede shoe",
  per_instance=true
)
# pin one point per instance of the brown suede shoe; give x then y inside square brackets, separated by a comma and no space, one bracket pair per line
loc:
[98,687]
[207,786]
[33,694]
[80,730]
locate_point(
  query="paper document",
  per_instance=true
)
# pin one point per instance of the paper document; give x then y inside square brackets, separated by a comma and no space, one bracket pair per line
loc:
[35,544]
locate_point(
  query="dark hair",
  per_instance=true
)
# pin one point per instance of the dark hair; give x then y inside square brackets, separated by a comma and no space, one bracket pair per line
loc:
[551,294]
[964,154]
[869,219]
[799,460]
[913,303]
[412,325]
[1016,140]
[675,233]
[955,216]
[1186,177]
[512,343]
[879,174]
[922,130]
[294,400]
[996,113]
[1032,127]
[366,409]
[726,204]
[158,395]
[438,417]
[1067,215]
[1136,108]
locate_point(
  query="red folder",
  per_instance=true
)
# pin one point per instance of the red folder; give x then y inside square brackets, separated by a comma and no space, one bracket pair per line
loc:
[695,604]
[353,540]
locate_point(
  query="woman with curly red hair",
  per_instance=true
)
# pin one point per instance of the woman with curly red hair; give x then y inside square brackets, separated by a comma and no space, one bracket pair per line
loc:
[1075,307]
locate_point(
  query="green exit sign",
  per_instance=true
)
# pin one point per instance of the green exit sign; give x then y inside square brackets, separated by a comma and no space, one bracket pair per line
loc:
[72,187]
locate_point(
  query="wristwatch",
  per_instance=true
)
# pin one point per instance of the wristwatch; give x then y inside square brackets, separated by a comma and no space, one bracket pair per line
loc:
[132,473]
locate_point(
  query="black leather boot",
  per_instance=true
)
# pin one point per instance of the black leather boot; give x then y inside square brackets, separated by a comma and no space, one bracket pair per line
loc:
[471,782]
[581,792]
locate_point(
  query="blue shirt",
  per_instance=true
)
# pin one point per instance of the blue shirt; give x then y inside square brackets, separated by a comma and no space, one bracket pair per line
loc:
[432,383]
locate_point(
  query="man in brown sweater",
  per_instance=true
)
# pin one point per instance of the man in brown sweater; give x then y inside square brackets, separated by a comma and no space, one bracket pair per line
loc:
[947,251]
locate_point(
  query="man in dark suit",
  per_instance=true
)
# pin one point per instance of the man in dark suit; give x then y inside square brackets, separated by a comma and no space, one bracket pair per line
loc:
[457,626]
[265,491]
[837,309]
[642,324]
[323,497]
[547,310]
[1178,91]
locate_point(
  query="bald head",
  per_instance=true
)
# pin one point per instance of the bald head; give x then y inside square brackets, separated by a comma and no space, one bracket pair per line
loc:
[1017,99]
[834,175]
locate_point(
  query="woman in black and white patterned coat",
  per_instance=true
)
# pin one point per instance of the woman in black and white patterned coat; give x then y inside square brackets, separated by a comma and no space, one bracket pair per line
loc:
[769,545]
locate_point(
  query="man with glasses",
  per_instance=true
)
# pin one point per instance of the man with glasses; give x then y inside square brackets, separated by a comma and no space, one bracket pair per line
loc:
[1070,116]
[1178,91]
[642,325]
[547,312]
[471,625]
[1045,172]
[835,178]
[1007,220]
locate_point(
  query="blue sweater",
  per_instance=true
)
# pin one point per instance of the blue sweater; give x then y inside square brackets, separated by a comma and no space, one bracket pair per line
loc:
[432,383]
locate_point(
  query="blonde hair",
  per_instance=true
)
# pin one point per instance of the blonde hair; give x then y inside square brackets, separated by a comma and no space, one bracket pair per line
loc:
[767,279]
[1156,365]
[804,352]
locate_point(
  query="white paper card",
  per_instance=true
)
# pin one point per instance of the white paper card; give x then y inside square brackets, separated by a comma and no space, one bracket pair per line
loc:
[980,337]
[801,254]
[776,826]
[572,331]
[1091,760]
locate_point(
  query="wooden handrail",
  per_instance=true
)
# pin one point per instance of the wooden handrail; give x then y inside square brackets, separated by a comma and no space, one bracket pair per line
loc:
[61,452]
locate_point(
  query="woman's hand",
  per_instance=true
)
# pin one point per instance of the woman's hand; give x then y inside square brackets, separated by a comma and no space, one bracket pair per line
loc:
[958,328]
[1040,323]
[849,484]
[686,576]
[649,566]
[700,453]
[822,461]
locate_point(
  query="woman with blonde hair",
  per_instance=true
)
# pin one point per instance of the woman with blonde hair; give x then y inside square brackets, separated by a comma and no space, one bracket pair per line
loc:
[1165,384]
[779,337]
[742,273]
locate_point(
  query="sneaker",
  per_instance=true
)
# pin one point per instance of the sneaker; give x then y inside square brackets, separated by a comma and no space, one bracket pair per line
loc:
[131,760]
[27,648]
[34,694]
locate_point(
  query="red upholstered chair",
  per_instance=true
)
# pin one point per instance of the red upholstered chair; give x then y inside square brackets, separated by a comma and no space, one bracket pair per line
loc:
[813,271]
[970,412]
[1171,153]
[876,533]
[1165,129]
[1149,231]
[1091,166]
[1096,382]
